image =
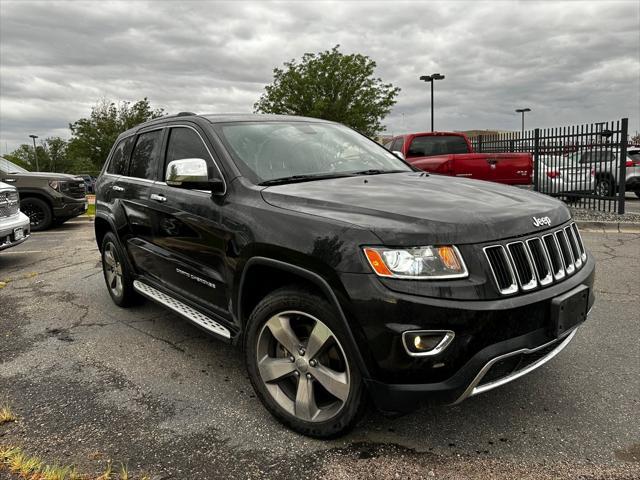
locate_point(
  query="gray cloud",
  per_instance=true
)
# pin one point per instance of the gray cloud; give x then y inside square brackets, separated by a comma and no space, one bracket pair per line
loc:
[571,62]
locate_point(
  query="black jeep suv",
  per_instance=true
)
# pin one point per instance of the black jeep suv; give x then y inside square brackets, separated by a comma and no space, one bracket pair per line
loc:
[343,273]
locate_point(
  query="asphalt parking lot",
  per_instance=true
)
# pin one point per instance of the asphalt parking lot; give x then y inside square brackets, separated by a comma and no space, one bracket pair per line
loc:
[91,383]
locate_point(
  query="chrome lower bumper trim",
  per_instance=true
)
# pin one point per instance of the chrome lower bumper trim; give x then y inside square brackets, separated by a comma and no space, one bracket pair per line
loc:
[474,388]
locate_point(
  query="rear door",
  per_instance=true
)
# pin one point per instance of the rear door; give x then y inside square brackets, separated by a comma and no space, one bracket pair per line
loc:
[136,202]
[188,236]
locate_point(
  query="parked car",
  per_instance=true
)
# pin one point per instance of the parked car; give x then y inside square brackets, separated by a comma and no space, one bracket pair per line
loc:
[606,166]
[14,225]
[89,182]
[451,153]
[564,174]
[342,272]
[46,198]
[633,170]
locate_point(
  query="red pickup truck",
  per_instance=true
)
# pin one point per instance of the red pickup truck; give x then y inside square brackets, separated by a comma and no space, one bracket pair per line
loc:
[451,153]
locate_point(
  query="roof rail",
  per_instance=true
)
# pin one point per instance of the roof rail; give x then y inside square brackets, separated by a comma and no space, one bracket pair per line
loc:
[185,114]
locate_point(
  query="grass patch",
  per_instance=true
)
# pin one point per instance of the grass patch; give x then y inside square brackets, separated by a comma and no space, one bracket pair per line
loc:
[91,210]
[6,415]
[28,467]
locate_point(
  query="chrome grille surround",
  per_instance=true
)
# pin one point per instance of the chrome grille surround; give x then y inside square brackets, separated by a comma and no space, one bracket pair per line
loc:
[537,261]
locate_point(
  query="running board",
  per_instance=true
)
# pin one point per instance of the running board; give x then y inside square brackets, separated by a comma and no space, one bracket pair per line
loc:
[181,308]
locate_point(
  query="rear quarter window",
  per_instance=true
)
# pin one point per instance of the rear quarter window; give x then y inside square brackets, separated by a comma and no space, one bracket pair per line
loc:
[120,157]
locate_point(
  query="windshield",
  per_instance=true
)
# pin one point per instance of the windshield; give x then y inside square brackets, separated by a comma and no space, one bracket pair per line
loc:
[268,151]
[10,167]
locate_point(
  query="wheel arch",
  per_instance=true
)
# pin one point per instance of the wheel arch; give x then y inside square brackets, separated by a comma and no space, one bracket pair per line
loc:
[287,273]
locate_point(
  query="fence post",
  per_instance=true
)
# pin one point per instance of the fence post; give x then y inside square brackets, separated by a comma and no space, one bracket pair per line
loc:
[479,144]
[536,163]
[622,190]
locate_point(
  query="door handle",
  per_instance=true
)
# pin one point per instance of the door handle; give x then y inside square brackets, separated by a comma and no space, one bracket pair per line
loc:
[158,198]
[117,188]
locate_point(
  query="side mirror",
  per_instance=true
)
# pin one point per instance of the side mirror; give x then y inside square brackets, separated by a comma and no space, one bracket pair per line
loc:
[192,173]
[399,154]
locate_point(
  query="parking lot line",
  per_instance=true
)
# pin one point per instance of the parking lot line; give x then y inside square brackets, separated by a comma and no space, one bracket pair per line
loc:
[22,251]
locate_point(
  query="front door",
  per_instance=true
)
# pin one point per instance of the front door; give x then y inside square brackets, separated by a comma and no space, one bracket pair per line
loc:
[188,235]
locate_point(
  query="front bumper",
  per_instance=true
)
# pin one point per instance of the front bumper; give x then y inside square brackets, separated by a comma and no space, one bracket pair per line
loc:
[494,342]
[8,226]
[67,207]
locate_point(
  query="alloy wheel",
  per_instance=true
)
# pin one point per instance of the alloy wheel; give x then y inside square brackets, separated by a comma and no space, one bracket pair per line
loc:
[112,269]
[602,189]
[303,366]
[35,213]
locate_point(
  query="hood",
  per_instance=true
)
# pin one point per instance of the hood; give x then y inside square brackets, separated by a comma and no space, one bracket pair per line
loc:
[417,209]
[47,176]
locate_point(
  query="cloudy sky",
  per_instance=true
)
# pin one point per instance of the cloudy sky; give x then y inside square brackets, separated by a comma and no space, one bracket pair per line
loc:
[571,62]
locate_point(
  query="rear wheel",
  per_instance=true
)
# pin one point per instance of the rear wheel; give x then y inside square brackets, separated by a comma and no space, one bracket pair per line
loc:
[38,211]
[117,276]
[604,187]
[301,366]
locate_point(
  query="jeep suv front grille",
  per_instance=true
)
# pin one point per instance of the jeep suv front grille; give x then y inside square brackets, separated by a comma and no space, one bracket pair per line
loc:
[9,203]
[537,261]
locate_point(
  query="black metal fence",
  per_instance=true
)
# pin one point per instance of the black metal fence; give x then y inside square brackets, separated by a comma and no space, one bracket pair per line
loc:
[585,165]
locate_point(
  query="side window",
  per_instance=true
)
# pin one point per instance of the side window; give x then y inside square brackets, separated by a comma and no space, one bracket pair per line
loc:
[185,143]
[144,160]
[397,145]
[118,162]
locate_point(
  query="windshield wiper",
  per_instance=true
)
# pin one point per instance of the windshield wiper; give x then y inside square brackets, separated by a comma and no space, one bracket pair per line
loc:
[302,178]
[375,171]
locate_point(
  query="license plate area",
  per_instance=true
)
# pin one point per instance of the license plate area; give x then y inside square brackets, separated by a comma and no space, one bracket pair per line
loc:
[569,310]
[18,234]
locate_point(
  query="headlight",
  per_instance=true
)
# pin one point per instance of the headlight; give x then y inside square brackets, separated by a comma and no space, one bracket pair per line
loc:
[431,262]
[54,184]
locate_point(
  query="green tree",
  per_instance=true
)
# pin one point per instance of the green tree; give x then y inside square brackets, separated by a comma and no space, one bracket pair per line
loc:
[57,151]
[93,137]
[23,156]
[332,86]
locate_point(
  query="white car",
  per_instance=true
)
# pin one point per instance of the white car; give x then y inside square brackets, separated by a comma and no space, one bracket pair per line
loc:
[564,174]
[14,225]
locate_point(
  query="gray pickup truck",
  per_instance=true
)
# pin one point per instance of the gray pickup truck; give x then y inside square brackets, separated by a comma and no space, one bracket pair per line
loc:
[46,198]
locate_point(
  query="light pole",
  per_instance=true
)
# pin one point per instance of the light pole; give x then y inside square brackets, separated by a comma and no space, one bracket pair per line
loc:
[35,152]
[431,79]
[522,110]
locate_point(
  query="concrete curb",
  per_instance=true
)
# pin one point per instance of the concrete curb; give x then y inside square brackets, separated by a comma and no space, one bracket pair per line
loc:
[616,227]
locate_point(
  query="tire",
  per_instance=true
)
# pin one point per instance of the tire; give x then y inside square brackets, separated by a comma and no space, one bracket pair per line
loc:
[118,278]
[38,211]
[604,187]
[288,382]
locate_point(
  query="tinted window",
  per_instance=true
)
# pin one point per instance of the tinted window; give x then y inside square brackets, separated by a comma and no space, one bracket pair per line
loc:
[118,163]
[598,156]
[144,160]
[185,143]
[437,145]
[397,145]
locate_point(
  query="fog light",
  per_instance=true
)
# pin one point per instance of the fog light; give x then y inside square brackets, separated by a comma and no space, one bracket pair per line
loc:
[419,343]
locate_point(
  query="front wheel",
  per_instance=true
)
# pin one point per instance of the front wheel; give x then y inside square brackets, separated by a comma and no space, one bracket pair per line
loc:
[301,366]
[38,211]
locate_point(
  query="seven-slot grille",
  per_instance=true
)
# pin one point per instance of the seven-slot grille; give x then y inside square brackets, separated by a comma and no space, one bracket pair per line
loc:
[9,203]
[536,262]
